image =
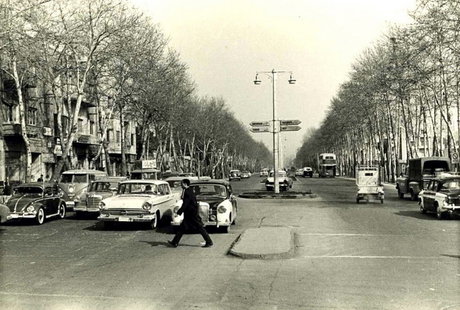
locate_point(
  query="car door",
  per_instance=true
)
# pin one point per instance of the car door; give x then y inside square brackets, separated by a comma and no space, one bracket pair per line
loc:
[49,201]
[429,195]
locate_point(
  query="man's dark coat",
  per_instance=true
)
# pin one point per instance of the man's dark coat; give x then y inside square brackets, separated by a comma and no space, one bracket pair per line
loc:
[192,219]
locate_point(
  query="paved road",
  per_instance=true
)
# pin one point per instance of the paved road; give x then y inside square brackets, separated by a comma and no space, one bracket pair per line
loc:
[348,256]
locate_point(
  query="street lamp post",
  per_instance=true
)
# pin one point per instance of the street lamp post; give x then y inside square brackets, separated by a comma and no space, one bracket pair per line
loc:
[275,122]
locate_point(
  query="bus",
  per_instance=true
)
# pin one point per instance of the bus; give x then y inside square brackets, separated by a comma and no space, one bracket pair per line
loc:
[327,163]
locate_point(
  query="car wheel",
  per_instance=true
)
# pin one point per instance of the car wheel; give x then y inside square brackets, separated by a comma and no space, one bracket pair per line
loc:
[422,206]
[225,229]
[233,218]
[62,210]
[40,217]
[381,200]
[153,224]
[413,196]
[439,213]
[357,199]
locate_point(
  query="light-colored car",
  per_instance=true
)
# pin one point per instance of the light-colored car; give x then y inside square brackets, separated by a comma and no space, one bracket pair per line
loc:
[264,172]
[75,183]
[284,181]
[97,191]
[299,172]
[139,201]
[217,204]
[245,175]
[442,196]
[234,175]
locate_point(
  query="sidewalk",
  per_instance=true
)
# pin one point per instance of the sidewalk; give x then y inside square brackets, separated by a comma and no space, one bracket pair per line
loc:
[264,243]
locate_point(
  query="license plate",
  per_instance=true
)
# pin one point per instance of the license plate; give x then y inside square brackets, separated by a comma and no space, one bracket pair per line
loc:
[124,219]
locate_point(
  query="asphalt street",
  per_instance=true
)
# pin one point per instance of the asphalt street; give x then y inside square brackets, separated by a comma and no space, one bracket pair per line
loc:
[347,256]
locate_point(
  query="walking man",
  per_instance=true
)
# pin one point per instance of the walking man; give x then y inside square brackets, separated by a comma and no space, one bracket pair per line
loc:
[192,220]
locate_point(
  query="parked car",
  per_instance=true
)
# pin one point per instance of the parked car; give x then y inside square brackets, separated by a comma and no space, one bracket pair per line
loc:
[307,172]
[37,201]
[218,206]
[264,172]
[234,175]
[442,195]
[139,201]
[75,183]
[299,172]
[284,181]
[98,190]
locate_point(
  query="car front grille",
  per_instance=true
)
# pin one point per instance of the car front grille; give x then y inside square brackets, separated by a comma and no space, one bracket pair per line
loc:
[125,212]
[93,201]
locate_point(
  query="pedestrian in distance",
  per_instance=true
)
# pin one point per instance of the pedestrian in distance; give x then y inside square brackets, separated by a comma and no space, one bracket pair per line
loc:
[192,220]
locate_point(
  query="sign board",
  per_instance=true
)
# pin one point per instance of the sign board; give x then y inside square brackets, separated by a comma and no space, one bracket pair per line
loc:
[260,124]
[290,122]
[454,158]
[290,128]
[149,164]
[260,129]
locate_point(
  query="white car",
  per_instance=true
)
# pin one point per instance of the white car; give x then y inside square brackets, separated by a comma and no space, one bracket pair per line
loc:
[217,204]
[140,201]
[284,181]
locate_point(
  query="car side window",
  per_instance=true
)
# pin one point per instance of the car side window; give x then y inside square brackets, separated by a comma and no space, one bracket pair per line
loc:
[434,186]
[48,191]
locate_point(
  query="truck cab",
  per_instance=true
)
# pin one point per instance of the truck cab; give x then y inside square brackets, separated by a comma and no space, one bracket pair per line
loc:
[419,173]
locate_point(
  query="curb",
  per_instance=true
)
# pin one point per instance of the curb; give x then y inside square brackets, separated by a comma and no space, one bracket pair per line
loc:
[267,256]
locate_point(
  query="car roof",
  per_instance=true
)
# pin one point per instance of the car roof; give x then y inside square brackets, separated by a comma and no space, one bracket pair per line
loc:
[37,184]
[84,171]
[446,176]
[145,170]
[149,181]
[111,179]
[211,181]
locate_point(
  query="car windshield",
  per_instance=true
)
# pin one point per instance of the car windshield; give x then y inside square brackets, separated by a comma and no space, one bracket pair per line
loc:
[29,190]
[102,186]
[451,184]
[216,190]
[138,188]
[280,173]
[74,178]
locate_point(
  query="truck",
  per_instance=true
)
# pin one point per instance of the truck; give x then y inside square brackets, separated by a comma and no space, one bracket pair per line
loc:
[419,173]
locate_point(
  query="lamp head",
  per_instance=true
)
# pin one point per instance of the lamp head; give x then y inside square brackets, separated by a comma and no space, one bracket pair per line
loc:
[256,80]
[291,80]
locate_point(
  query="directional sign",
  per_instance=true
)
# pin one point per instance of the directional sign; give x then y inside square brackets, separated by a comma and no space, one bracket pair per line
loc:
[290,128]
[260,129]
[290,122]
[258,124]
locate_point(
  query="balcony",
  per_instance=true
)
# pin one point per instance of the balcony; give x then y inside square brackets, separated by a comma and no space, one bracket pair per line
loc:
[12,129]
[86,139]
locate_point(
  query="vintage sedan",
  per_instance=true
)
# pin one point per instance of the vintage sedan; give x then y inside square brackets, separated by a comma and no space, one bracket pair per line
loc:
[218,206]
[138,201]
[442,196]
[98,190]
[284,181]
[36,201]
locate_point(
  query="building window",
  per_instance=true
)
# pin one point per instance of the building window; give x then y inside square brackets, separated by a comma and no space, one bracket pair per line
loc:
[80,125]
[132,139]
[32,116]
[8,113]
[118,136]
[92,128]
[109,135]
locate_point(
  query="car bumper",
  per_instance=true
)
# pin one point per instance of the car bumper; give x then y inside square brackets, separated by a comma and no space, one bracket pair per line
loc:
[85,209]
[128,218]
[177,220]
[28,215]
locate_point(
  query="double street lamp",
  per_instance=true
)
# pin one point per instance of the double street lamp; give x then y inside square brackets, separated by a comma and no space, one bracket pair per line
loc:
[275,122]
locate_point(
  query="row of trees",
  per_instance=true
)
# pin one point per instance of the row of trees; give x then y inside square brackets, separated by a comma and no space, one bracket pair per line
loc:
[105,52]
[402,99]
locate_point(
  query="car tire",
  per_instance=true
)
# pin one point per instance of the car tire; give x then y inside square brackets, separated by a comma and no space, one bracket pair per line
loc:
[153,224]
[422,206]
[225,229]
[233,218]
[439,214]
[413,196]
[62,210]
[40,217]
[400,194]
[381,200]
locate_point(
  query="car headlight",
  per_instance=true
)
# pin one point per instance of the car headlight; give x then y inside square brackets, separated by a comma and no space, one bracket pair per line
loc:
[101,205]
[30,208]
[176,208]
[221,209]
[76,198]
[147,206]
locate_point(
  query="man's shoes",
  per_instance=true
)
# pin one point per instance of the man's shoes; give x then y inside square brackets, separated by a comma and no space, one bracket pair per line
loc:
[207,245]
[174,245]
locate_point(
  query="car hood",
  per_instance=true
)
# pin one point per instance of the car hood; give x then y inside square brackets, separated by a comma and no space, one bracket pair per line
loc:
[211,200]
[102,194]
[454,193]
[18,203]
[280,179]
[126,201]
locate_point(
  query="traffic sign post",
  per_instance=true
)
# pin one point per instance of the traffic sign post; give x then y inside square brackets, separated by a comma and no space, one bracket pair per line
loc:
[290,128]
[290,122]
[260,129]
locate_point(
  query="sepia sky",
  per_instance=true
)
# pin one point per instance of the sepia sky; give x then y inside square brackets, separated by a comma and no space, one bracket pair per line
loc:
[224,43]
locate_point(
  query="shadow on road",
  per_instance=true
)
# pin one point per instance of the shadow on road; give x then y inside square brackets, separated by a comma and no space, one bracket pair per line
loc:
[417,215]
[158,243]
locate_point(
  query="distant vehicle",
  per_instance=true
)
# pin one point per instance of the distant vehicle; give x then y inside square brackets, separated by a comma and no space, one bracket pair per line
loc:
[442,196]
[217,204]
[145,174]
[369,183]
[37,201]
[307,172]
[264,172]
[234,175]
[299,172]
[419,173]
[138,201]
[245,175]
[327,163]
[74,184]
[284,181]
[98,190]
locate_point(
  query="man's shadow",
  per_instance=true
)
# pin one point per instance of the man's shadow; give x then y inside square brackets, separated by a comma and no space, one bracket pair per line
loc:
[166,244]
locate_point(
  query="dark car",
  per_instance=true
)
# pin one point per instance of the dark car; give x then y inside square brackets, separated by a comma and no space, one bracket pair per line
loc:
[442,196]
[307,172]
[36,201]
